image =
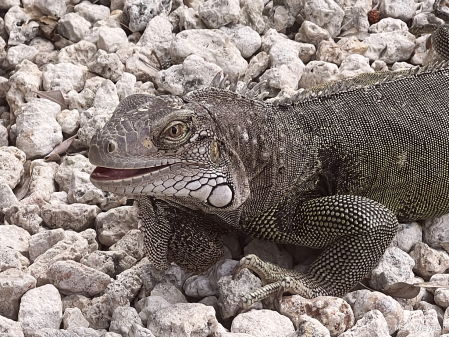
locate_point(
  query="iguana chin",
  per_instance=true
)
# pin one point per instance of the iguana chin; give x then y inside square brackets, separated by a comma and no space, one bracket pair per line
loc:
[333,170]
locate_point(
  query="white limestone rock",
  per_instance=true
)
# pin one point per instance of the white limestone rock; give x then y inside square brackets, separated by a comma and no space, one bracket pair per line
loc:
[189,19]
[148,306]
[262,323]
[114,224]
[372,324]
[73,318]
[7,4]
[37,130]
[7,197]
[137,13]
[71,277]
[10,258]
[429,261]
[325,13]
[218,13]
[17,54]
[388,25]
[419,323]
[353,65]
[363,301]
[206,284]
[109,39]
[73,27]
[184,320]
[318,72]
[231,291]
[400,9]
[19,26]
[132,243]
[68,165]
[80,53]
[69,120]
[125,85]
[92,12]
[194,73]
[310,32]
[11,165]
[407,236]
[111,263]
[168,292]
[107,65]
[213,46]
[11,328]
[442,297]
[251,15]
[435,231]
[42,241]
[122,320]
[63,76]
[256,66]
[390,47]
[40,308]
[13,284]
[22,83]
[246,39]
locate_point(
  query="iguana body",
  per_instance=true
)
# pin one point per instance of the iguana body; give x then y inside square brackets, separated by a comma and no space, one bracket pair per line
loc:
[335,171]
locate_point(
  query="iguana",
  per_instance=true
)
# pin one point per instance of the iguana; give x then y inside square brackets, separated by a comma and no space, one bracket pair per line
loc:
[335,170]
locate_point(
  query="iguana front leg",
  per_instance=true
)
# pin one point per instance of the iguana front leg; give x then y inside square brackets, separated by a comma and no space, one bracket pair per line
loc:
[355,231]
[176,235]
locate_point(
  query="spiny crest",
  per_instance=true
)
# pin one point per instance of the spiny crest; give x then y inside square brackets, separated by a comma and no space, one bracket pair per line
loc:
[258,91]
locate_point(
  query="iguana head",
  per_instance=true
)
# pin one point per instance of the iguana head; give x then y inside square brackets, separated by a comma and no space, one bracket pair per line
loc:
[167,148]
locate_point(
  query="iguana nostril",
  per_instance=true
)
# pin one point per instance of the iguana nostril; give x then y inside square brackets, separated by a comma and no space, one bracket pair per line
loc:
[112,146]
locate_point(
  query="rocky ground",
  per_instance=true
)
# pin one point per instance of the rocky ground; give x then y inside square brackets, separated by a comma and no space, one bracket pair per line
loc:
[71,255]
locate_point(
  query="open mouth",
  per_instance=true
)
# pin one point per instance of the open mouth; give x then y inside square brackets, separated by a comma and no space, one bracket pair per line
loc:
[105,174]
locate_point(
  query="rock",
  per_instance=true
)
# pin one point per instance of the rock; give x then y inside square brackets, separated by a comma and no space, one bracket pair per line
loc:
[137,13]
[132,243]
[111,263]
[379,65]
[26,79]
[10,258]
[308,326]
[71,277]
[11,165]
[138,331]
[40,308]
[257,65]
[213,46]
[42,178]
[246,39]
[80,53]
[231,291]
[434,231]
[16,238]
[363,301]
[73,318]
[37,130]
[442,297]
[7,199]
[218,13]
[194,73]
[318,72]
[63,76]
[407,236]
[184,320]
[73,247]
[168,292]
[189,19]
[429,261]
[19,26]
[425,323]
[269,252]
[402,9]
[69,120]
[309,32]
[390,47]
[11,328]
[106,65]
[395,266]
[92,12]
[77,217]
[81,190]
[3,136]
[251,15]
[71,164]
[446,324]
[13,284]
[17,54]
[125,85]
[420,52]
[41,242]
[73,27]
[122,320]
[372,324]
[157,38]
[114,224]
[148,306]
[206,284]
[326,14]
[262,323]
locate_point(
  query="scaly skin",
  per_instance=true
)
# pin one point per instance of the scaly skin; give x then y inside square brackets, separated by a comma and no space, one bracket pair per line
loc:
[334,171]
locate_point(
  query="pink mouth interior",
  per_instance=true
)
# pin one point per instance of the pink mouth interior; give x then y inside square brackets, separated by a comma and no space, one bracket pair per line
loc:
[103,173]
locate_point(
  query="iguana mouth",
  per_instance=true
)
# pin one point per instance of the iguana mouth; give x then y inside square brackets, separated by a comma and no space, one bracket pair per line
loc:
[105,174]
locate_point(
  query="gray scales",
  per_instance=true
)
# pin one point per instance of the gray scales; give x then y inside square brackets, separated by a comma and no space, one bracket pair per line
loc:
[334,170]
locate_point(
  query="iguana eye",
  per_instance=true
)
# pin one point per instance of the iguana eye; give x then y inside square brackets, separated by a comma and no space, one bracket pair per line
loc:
[176,130]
